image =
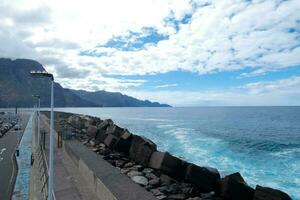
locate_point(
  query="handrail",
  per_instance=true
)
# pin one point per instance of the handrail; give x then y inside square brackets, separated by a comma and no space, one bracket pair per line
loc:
[46,165]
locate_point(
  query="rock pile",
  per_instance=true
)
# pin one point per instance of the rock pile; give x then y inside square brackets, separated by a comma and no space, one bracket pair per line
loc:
[164,175]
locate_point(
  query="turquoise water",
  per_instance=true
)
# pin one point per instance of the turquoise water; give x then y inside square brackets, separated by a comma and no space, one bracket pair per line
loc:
[263,143]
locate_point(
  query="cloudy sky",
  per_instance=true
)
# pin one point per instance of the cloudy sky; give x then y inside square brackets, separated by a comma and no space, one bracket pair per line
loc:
[181,52]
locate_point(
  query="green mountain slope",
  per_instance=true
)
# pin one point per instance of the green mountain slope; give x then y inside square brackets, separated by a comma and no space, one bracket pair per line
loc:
[115,99]
[17,87]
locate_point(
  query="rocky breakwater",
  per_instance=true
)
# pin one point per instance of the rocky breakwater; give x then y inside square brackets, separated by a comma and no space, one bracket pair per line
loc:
[163,174]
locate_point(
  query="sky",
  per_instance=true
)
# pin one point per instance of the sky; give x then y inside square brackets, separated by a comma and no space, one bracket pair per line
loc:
[181,52]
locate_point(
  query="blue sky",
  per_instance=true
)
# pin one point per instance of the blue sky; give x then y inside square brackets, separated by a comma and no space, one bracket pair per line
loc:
[183,52]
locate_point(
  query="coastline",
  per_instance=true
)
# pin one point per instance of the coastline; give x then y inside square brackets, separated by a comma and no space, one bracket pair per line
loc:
[161,159]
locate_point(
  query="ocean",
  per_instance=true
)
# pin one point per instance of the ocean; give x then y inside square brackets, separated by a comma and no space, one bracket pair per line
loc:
[262,143]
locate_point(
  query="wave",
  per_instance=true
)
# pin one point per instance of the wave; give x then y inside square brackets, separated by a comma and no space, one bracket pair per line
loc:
[150,119]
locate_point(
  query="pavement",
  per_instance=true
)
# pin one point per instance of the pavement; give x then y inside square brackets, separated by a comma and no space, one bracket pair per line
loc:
[8,170]
[68,182]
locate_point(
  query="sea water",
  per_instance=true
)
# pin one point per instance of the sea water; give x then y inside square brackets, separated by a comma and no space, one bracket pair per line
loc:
[262,143]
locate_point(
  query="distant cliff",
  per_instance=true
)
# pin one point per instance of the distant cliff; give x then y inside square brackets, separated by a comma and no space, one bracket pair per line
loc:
[17,87]
[115,99]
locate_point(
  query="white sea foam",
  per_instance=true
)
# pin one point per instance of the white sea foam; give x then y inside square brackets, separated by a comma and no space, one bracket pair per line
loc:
[163,126]
[286,152]
[150,119]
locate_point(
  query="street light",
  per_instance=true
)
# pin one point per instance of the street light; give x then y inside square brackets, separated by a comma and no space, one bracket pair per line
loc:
[38,116]
[50,173]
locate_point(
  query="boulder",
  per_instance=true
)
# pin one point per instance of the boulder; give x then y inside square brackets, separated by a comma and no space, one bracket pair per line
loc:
[91,121]
[129,164]
[161,197]
[114,130]
[234,187]
[176,197]
[205,178]
[141,149]
[166,180]
[110,141]
[100,136]
[150,175]
[194,198]
[140,180]
[266,193]
[104,124]
[123,145]
[165,162]
[92,131]
[76,121]
[156,192]
[154,182]
[134,173]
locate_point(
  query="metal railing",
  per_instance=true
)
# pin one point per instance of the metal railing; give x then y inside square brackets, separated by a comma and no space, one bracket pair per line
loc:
[43,169]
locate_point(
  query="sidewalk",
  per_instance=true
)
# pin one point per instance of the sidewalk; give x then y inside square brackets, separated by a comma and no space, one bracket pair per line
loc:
[68,183]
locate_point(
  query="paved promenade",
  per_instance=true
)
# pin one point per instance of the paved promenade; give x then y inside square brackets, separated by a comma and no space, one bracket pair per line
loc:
[68,183]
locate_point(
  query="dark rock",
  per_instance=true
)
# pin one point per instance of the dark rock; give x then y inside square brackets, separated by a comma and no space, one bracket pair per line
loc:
[165,162]
[104,124]
[151,176]
[115,130]
[234,187]
[188,190]
[120,163]
[92,143]
[147,170]
[181,173]
[156,192]
[166,180]
[110,141]
[104,151]
[96,150]
[154,182]
[137,168]
[266,193]
[163,189]
[134,173]
[123,145]
[149,187]
[176,197]
[76,121]
[113,156]
[161,197]
[173,189]
[92,131]
[124,171]
[141,149]
[208,196]
[127,165]
[194,198]
[141,180]
[205,178]
[100,136]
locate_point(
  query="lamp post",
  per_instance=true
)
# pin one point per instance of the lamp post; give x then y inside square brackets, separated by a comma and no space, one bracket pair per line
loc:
[50,172]
[38,116]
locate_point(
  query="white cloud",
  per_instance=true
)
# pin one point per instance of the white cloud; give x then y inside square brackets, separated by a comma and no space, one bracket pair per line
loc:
[271,93]
[221,36]
[102,83]
[166,85]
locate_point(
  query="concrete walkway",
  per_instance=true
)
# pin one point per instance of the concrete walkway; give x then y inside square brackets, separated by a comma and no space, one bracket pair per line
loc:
[68,183]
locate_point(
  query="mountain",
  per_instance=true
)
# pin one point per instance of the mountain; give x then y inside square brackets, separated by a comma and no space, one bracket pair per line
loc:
[115,99]
[17,87]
